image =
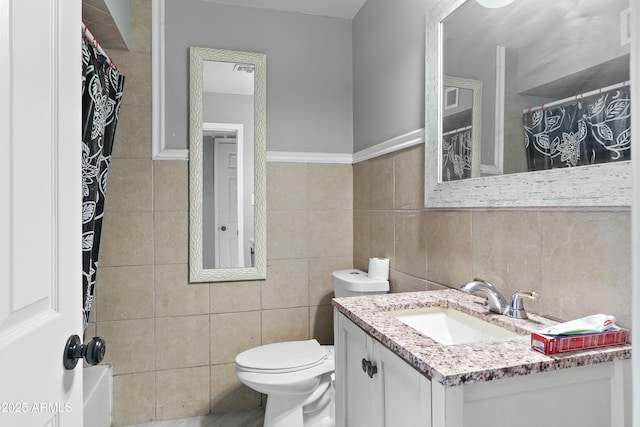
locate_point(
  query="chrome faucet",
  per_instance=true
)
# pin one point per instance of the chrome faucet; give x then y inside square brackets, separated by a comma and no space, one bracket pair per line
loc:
[496,302]
[494,299]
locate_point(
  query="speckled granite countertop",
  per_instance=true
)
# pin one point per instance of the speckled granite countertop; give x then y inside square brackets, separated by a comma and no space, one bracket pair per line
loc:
[453,365]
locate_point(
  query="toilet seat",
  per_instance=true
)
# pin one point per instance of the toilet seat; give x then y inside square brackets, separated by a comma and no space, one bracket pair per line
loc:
[282,357]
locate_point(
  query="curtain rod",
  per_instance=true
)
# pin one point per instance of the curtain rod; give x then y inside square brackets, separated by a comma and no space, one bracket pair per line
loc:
[576,97]
[94,42]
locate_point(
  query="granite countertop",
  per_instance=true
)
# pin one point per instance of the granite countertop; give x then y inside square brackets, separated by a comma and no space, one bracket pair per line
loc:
[453,365]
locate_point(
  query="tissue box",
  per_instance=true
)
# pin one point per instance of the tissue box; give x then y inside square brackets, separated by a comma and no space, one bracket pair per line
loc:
[546,344]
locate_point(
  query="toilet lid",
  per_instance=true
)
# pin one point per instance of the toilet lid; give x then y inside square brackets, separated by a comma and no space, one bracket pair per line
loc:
[283,356]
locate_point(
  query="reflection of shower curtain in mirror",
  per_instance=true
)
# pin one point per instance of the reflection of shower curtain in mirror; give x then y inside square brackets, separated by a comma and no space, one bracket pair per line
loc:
[591,130]
[456,154]
[101,96]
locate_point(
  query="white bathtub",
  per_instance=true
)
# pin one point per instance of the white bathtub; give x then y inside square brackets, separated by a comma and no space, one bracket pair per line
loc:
[98,395]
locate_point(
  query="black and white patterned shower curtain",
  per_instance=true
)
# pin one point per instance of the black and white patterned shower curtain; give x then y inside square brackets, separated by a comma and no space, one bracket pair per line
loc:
[457,154]
[101,96]
[595,129]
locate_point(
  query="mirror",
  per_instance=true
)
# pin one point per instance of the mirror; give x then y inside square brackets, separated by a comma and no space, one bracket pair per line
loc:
[461,128]
[554,77]
[227,165]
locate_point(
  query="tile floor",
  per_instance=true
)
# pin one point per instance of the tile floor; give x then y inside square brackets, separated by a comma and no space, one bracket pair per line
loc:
[250,418]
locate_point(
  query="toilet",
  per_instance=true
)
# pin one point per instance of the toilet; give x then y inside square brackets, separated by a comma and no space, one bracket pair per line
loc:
[297,376]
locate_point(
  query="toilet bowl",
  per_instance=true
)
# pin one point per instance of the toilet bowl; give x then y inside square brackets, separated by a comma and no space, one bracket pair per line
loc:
[298,376]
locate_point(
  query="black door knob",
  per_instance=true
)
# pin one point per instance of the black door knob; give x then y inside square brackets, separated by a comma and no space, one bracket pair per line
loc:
[223,228]
[93,352]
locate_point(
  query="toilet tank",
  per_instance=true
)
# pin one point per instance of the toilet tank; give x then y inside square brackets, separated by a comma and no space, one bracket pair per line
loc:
[349,283]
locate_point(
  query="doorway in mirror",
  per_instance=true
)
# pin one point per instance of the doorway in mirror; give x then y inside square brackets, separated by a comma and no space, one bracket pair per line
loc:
[223,227]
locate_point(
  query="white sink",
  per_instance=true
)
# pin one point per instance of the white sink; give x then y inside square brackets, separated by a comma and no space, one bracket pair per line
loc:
[449,326]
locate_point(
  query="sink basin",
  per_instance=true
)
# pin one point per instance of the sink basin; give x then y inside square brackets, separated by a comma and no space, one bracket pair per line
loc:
[449,326]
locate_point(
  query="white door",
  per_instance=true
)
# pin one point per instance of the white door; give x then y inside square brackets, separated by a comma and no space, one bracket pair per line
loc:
[40,199]
[226,203]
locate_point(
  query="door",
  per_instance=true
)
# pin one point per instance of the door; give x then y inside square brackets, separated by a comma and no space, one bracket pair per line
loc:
[226,203]
[40,200]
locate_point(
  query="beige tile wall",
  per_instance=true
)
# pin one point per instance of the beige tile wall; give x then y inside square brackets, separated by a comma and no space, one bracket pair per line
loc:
[172,344]
[578,260]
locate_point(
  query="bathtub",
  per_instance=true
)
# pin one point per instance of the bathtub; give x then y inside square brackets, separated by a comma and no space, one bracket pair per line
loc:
[98,392]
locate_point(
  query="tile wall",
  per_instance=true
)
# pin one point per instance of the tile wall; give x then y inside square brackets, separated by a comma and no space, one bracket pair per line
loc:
[578,260]
[172,344]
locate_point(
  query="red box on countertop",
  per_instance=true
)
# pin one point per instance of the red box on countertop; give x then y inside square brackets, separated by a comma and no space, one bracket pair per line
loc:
[547,344]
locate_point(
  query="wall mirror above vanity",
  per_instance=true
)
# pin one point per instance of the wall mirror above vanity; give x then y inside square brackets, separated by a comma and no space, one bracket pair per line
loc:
[227,165]
[549,120]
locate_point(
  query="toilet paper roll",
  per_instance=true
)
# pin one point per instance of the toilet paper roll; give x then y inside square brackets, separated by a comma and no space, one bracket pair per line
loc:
[378,268]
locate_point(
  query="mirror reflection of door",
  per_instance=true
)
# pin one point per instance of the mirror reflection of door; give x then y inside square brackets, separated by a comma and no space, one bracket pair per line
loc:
[222,224]
[460,155]
[457,133]
[226,202]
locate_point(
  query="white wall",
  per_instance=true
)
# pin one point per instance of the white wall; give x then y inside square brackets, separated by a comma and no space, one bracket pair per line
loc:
[309,91]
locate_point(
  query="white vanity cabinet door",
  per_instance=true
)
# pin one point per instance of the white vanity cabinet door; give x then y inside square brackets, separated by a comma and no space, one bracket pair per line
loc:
[357,394]
[406,394]
[396,395]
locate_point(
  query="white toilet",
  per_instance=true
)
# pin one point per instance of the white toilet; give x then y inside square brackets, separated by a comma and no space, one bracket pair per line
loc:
[297,376]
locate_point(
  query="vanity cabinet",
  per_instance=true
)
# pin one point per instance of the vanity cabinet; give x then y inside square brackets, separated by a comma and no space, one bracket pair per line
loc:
[374,387]
[395,394]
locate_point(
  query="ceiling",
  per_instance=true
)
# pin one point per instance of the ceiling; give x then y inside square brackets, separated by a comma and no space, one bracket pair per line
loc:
[334,8]
[95,14]
[220,77]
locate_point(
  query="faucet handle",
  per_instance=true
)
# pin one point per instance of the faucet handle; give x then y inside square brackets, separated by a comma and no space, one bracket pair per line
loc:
[516,308]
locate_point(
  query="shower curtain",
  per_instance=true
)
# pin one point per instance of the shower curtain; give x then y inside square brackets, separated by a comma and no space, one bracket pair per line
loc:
[102,87]
[595,129]
[456,154]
